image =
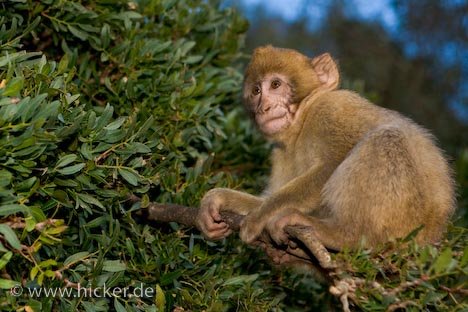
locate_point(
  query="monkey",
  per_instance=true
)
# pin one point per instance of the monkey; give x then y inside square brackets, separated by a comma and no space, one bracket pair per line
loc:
[357,174]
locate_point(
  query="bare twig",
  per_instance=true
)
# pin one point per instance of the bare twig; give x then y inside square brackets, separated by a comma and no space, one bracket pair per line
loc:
[187,216]
[183,214]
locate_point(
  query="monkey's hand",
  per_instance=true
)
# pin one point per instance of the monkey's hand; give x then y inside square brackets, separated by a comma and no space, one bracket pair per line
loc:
[273,222]
[209,219]
[277,225]
[257,221]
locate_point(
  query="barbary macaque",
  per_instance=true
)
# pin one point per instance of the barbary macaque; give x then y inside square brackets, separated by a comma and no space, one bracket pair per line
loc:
[356,173]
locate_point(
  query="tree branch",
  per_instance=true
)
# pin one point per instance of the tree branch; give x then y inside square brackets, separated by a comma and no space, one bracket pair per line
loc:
[187,215]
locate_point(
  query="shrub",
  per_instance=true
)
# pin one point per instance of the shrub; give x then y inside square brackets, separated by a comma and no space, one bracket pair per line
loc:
[99,100]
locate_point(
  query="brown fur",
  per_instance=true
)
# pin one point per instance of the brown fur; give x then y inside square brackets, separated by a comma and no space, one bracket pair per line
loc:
[357,173]
[291,63]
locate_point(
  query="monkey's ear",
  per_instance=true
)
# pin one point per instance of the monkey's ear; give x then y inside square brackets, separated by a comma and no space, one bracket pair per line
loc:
[326,70]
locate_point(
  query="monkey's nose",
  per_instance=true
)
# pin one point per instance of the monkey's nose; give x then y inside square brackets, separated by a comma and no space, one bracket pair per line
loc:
[262,108]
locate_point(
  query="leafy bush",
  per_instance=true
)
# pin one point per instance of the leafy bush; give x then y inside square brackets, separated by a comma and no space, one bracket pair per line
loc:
[103,99]
[99,100]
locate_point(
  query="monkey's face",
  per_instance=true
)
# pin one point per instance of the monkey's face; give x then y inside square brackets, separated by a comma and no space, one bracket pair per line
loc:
[271,102]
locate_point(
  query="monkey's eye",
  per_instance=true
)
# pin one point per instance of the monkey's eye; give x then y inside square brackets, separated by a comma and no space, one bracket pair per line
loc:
[256,90]
[275,84]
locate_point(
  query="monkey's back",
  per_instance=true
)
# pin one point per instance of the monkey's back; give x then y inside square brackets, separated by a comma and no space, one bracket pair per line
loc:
[387,176]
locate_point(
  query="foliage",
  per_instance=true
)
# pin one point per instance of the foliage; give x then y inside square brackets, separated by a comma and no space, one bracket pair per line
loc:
[462,183]
[101,99]
[407,276]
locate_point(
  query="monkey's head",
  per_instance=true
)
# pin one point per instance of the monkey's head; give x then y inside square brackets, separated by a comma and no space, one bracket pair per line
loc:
[277,80]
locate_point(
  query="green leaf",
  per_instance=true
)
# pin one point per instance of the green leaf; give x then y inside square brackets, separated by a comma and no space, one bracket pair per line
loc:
[115,124]
[443,261]
[65,160]
[63,64]
[118,306]
[30,107]
[78,33]
[9,58]
[129,15]
[47,263]
[187,46]
[130,247]
[114,136]
[8,284]
[79,256]
[139,147]
[26,185]
[464,259]
[5,177]
[240,280]
[17,57]
[72,98]
[113,266]
[6,210]
[193,59]
[413,233]
[90,200]
[30,223]
[10,236]
[38,212]
[51,109]
[5,259]
[104,118]
[34,272]
[129,176]
[99,221]
[72,169]
[86,151]
[160,298]
[13,87]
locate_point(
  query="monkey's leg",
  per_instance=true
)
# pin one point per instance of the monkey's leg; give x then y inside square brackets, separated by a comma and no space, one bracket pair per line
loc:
[373,195]
[327,231]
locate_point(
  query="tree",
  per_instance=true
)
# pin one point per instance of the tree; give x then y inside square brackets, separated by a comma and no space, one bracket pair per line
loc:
[100,100]
[421,85]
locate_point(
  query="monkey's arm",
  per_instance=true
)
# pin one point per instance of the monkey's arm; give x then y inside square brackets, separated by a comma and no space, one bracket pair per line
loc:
[209,220]
[231,200]
[300,194]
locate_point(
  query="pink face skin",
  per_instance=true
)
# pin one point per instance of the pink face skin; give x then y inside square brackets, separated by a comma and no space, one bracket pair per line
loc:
[272,102]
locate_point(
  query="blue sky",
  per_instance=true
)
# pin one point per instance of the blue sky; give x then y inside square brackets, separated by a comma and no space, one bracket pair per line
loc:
[291,9]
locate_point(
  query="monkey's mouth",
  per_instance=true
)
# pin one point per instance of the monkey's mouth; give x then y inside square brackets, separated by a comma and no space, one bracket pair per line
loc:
[273,124]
